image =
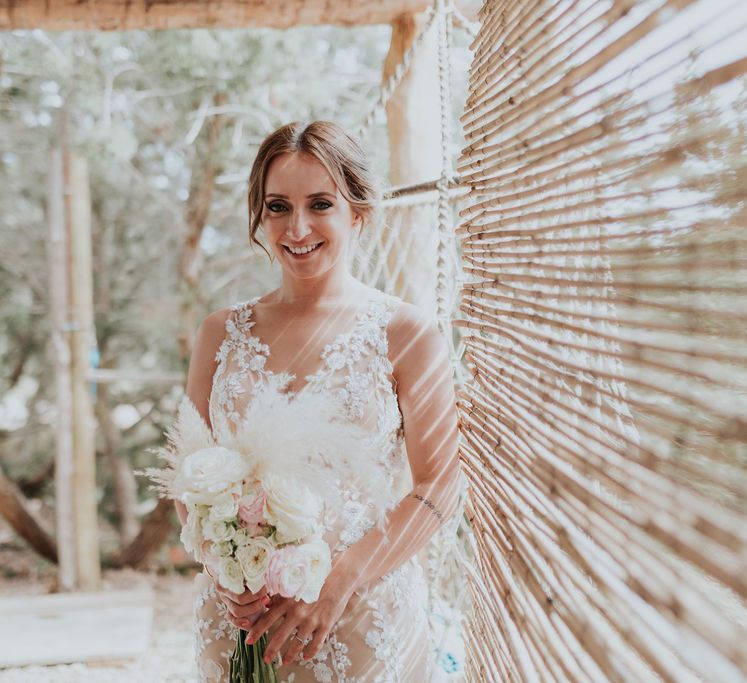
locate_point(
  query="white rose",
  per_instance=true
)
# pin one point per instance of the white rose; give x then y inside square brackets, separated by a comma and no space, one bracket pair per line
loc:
[191,535]
[216,530]
[230,575]
[224,508]
[318,566]
[208,472]
[291,507]
[253,558]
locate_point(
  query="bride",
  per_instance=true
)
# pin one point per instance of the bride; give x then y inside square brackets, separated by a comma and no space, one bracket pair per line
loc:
[324,335]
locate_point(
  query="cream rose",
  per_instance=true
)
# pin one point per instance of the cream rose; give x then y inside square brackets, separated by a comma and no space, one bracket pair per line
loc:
[299,571]
[230,575]
[254,557]
[223,549]
[216,531]
[242,536]
[209,472]
[291,507]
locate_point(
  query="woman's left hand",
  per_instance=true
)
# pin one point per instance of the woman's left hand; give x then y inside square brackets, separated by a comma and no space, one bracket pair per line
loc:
[312,620]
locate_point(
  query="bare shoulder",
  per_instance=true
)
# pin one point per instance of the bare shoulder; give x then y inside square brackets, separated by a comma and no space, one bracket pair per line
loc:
[202,363]
[406,318]
[415,340]
[211,330]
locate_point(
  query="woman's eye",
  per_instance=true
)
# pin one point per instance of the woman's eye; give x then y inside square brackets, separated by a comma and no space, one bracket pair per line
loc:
[325,205]
[275,207]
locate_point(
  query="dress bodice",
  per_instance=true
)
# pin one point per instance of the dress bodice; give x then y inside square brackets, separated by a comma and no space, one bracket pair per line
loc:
[355,373]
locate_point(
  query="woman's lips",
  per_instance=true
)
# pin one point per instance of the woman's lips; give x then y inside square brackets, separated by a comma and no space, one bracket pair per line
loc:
[308,254]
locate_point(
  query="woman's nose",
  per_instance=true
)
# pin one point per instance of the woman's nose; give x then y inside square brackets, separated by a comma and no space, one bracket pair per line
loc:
[298,226]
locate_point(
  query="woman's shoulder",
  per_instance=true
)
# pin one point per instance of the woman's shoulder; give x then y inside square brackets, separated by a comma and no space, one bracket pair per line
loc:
[215,323]
[218,319]
[210,333]
[412,332]
[407,317]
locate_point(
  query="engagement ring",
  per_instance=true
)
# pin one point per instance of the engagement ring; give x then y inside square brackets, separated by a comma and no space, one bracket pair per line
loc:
[305,641]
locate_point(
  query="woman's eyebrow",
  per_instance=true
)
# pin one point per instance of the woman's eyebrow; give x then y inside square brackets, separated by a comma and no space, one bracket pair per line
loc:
[314,194]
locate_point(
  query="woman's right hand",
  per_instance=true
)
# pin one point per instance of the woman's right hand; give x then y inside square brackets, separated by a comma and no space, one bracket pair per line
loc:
[244,609]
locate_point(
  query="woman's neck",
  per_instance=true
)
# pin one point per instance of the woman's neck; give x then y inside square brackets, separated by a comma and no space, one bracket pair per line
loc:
[316,291]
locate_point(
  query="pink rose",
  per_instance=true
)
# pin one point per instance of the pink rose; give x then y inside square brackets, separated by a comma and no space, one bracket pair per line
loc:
[250,510]
[298,571]
[279,576]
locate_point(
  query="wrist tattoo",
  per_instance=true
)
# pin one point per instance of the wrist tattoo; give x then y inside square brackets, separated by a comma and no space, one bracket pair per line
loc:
[428,504]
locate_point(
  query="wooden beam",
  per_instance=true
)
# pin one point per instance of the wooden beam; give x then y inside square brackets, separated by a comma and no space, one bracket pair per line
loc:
[122,15]
[106,627]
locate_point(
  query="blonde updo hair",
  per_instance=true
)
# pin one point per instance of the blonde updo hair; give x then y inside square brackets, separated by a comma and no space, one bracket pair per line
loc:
[336,149]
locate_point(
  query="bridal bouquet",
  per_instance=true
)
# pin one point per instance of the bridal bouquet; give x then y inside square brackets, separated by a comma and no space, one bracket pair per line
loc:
[256,500]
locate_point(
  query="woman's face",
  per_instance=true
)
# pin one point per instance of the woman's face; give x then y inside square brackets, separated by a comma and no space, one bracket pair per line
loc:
[303,207]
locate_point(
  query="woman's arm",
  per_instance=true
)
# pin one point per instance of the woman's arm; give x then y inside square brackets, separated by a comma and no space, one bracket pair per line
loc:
[202,365]
[425,392]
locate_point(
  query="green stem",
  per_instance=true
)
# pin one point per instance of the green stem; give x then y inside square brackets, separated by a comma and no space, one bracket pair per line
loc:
[246,664]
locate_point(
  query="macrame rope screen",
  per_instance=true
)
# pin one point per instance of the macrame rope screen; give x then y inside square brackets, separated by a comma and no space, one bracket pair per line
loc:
[604,314]
[384,258]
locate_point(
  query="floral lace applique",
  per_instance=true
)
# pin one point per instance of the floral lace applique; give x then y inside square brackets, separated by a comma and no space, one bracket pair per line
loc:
[250,355]
[384,641]
[218,629]
[357,517]
[404,588]
[331,662]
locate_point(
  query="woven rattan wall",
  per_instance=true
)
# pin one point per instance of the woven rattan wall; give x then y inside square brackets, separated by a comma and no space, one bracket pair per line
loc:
[604,315]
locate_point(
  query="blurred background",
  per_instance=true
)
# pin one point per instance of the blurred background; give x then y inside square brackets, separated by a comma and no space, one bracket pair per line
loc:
[145,138]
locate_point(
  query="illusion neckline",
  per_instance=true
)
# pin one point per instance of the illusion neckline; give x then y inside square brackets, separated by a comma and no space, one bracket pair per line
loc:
[284,378]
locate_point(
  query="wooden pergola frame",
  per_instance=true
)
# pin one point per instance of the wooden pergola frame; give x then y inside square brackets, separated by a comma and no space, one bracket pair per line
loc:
[123,15]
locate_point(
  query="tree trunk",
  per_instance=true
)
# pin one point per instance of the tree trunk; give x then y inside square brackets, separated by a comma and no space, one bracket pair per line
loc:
[152,534]
[13,508]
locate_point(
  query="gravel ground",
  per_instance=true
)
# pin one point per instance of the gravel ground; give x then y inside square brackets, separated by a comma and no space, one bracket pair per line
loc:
[169,659]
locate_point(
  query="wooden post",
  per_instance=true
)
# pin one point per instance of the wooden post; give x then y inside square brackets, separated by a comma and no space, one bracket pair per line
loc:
[415,155]
[81,342]
[60,349]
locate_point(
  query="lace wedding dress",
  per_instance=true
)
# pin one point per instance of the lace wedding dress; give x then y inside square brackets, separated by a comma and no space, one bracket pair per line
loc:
[383,635]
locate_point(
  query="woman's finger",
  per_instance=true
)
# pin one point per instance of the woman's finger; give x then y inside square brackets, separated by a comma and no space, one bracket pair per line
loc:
[294,645]
[244,598]
[274,613]
[316,642]
[280,637]
[243,611]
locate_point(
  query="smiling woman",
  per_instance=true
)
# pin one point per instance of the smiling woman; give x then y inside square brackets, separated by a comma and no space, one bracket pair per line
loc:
[331,189]
[363,362]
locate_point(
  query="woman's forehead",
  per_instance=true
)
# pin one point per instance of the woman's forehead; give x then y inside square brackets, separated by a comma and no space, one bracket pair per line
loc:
[300,170]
